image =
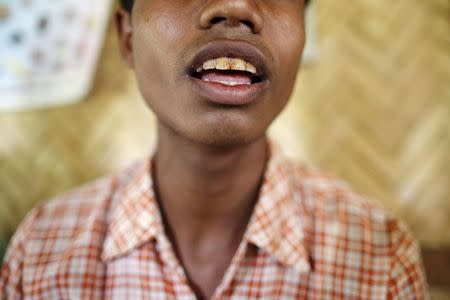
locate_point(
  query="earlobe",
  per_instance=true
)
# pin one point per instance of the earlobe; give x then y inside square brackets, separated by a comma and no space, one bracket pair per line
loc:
[124,30]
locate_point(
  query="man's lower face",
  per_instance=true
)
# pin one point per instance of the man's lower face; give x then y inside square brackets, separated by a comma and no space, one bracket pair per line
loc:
[211,78]
[182,108]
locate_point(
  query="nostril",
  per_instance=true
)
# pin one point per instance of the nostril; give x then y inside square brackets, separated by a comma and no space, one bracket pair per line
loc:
[217,20]
[231,14]
[248,24]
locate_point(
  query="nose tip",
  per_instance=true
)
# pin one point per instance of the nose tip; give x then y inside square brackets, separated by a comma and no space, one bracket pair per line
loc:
[232,13]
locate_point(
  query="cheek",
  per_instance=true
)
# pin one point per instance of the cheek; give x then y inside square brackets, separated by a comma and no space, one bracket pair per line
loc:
[289,40]
[168,28]
[288,43]
[161,19]
[155,42]
[158,35]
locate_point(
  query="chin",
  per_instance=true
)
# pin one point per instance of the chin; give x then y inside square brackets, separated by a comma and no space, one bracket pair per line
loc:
[224,136]
[218,128]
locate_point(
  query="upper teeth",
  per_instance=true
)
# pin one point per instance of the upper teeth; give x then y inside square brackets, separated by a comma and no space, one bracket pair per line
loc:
[225,63]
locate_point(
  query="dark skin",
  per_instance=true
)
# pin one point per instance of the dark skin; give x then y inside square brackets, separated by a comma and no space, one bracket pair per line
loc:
[210,158]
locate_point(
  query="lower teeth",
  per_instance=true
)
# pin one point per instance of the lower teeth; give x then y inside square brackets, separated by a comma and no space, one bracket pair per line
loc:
[232,83]
[254,79]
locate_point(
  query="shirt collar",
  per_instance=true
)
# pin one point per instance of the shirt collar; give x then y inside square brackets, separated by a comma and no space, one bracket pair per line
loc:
[136,219]
[275,225]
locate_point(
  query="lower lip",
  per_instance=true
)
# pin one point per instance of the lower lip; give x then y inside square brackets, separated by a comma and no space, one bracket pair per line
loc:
[243,94]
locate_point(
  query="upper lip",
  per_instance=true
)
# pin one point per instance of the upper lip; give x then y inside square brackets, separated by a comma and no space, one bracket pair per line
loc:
[231,49]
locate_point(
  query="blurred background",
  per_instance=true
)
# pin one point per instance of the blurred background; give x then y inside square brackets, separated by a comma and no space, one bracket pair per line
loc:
[371,105]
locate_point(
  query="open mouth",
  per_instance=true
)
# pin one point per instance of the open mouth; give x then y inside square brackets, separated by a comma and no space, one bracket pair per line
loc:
[227,71]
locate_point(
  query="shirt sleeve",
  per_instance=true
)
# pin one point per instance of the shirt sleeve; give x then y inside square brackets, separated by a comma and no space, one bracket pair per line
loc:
[407,277]
[12,269]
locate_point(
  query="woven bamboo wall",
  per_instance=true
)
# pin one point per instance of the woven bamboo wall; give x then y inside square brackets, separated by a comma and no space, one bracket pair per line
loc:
[372,109]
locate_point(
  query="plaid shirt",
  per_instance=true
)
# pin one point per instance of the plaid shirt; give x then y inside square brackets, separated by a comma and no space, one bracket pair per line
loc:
[310,237]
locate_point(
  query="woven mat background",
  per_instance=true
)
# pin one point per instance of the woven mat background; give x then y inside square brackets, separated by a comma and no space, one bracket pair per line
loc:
[372,109]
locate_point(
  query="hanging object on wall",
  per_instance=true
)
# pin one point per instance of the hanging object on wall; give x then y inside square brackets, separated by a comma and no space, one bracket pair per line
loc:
[49,51]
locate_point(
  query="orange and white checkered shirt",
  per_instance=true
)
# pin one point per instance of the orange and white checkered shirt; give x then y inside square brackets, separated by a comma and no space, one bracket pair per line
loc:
[310,237]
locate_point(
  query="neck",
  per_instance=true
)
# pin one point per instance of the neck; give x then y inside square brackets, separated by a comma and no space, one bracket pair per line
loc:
[204,190]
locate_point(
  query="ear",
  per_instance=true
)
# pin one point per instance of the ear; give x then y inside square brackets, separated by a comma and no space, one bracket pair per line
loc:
[125,33]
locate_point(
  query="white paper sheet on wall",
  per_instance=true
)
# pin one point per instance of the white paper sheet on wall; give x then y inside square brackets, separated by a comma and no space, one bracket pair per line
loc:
[48,50]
